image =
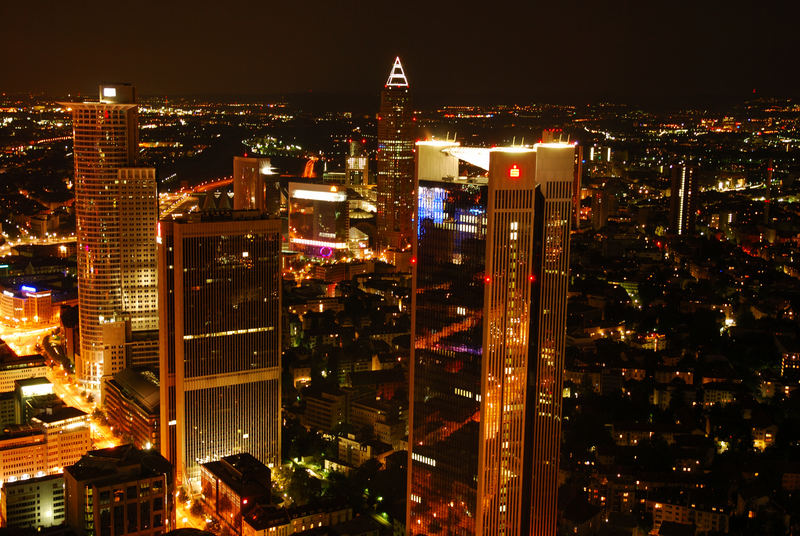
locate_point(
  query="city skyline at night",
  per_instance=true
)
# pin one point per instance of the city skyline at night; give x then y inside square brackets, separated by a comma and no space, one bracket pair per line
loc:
[349,269]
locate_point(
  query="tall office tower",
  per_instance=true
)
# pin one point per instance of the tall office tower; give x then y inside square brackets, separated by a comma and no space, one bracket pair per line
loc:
[769,185]
[357,169]
[576,187]
[395,188]
[489,326]
[220,303]
[116,212]
[604,204]
[253,186]
[683,199]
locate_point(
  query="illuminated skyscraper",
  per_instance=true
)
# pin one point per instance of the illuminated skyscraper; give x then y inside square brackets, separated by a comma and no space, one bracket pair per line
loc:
[252,187]
[319,222]
[357,170]
[395,189]
[489,326]
[683,199]
[220,303]
[116,213]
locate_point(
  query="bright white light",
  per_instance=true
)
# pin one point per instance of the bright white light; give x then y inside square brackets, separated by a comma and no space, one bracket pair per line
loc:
[477,156]
[319,196]
[109,92]
[73,425]
[397,77]
[320,243]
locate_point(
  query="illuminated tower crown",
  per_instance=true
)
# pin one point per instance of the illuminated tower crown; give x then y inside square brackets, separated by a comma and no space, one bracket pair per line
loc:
[397,77]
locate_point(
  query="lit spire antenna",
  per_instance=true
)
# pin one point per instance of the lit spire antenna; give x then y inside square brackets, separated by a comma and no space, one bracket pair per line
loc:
[397,78]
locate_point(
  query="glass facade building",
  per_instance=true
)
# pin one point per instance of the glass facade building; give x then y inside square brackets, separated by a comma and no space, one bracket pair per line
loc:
[319,220]
[683,199]
[254,185]
[489,326]
[220,305]
[116,214]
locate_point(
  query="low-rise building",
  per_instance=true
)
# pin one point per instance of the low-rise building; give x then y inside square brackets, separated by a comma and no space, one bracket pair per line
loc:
[271,521]
[387,420]
[131,402]
[14,367]
[718,393]
[26,391]
[33,503]
[706,519]
[235,485]
[54,439]
[325,411]
[354,451]
[25,306]
[120,490]
[67,435]
[23,453]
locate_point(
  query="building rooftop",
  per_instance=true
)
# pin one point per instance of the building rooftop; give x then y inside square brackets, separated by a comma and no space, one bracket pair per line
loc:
[14,431]
[10,360]
[141,386]
[118,464]
[36,480]
[243,474]
[58,414]
[213,213]
[262,518]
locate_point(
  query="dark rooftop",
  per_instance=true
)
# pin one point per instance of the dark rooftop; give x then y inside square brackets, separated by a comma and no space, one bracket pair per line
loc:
[243,474]
[118,464]
[59,414]
[141,386]
[18,430]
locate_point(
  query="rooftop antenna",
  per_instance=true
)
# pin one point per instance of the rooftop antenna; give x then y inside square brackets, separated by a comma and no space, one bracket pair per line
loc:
[522,143]
[513,141]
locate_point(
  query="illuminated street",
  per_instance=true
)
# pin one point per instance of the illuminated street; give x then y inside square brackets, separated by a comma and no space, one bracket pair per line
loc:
[24,340]
[26,240]
[102,435]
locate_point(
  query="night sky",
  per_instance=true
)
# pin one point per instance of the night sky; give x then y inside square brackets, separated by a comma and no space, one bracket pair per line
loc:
[556,49]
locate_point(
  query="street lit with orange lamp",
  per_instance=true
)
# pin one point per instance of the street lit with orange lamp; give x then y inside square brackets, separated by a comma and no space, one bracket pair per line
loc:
[23,341]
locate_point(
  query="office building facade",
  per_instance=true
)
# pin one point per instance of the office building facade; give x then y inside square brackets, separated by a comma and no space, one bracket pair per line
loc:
[683,199]
[116,214]
[131,402]
[220,304]
[319,222]
[14,367]
[395,185]
[254,187]
[489,321]
[357,164]
[33,503]
[120,490]
[54,440]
